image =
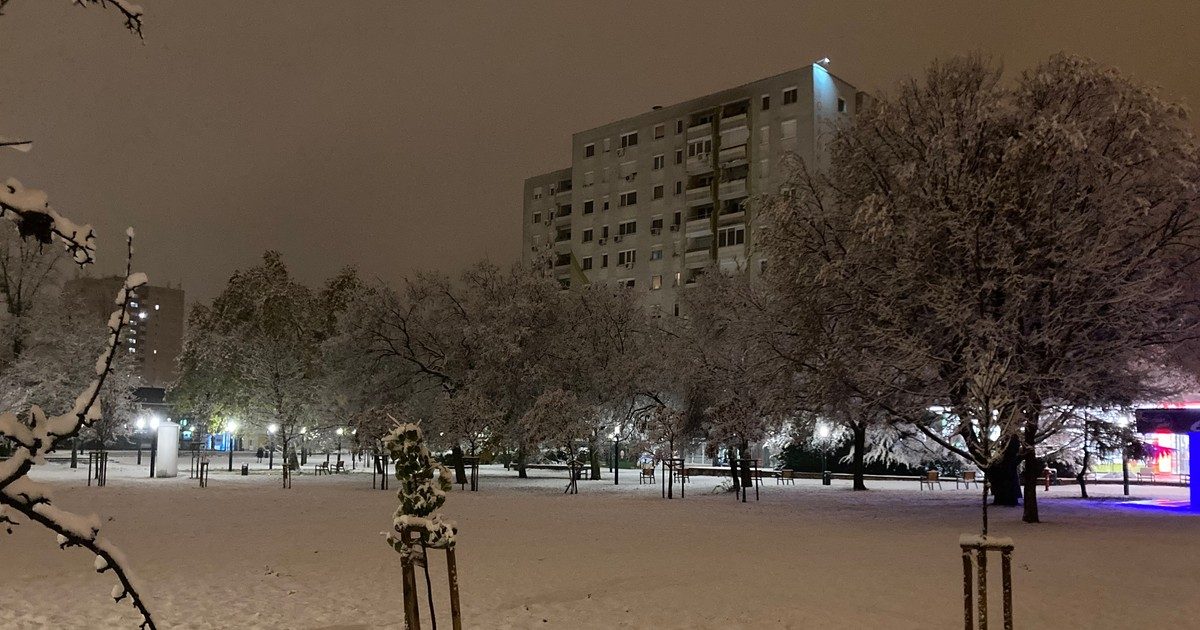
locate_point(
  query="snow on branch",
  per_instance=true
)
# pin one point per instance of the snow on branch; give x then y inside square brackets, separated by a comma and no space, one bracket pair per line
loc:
[30,209]
[42,434]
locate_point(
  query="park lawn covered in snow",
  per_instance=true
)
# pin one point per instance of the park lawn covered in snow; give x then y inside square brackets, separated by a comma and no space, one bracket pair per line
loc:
[244,553]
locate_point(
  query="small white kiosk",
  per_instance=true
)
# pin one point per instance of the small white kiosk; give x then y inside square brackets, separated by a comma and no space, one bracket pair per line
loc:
[166,462]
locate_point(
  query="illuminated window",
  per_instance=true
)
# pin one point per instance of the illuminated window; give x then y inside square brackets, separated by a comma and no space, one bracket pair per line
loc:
[655,283]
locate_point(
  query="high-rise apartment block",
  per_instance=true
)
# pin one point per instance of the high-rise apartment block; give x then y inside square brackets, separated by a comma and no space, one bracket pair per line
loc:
[155,334]
[651,200]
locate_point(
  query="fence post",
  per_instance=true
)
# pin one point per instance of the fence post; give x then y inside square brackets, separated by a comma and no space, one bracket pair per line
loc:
[974,552]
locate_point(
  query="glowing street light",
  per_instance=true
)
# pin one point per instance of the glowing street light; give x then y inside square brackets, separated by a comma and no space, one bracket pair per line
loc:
[824,61]
[823,430]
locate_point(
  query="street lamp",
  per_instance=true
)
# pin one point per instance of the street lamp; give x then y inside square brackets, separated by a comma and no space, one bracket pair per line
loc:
[339,432]
[231,427]
[823,432]
[271,453]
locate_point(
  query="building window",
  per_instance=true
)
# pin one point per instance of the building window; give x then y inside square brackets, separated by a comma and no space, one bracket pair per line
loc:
[589,150]
[626,257]
[655,283]
[679,188]
[604,232]
[607,144]
[629,140]
[841,106]
[656,254]
[586,263]
[789,96]
[676,306]
[699,148]
[659,162]
[658,191]
[766,102]
[537,192]
[628,198]
[659,131]
[787,129]
[679,126]
[678,217]
[730,236]
[537,217]
[764,168]
[604,261]
[679,156]
[764,135]
[589,206]
[627,227]
[628,284]
[605,207]
[587,235]
[589,178]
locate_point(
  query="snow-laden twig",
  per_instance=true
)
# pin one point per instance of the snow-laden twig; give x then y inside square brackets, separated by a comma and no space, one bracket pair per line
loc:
[43,434]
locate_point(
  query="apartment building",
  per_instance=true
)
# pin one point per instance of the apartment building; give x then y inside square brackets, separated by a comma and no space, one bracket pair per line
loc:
[651,200]
[155,333]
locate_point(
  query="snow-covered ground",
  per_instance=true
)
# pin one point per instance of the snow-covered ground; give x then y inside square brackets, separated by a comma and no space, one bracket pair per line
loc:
[244,553]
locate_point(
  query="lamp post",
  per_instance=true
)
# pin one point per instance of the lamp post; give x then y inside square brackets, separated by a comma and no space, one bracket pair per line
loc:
[339,446]
[141,426]
[823,432]
[153,442]
[616,438]
[271,451]
[230,428]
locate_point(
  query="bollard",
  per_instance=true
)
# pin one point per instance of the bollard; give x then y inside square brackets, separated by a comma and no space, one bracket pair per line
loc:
[245,470]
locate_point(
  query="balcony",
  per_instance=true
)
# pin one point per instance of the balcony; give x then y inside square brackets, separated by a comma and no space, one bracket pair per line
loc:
[563,236]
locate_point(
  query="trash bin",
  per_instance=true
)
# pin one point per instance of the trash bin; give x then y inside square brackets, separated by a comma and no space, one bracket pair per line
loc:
[826,478]
[245,470]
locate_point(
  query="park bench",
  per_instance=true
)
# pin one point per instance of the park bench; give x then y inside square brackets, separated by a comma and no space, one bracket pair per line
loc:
[966,479]
[646,475]
[341,467]
[931,477]
[787,475]
[1145,472]
[321,468]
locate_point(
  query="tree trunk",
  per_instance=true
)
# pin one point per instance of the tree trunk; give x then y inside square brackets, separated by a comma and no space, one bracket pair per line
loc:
[733,468]
[75,452]
[594,456]
[460,468]
[1004,478]
[860,446]
[1082,476]
[521,459]
[1033,471]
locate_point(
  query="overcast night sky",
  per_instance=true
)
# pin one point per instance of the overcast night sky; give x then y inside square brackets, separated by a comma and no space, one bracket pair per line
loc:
[396,136]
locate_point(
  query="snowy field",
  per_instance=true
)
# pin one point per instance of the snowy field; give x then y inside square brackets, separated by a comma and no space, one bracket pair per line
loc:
[243,553]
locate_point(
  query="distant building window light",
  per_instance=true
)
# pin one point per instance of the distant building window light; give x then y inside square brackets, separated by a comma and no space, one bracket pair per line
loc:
[133,349]
[655,282]
[790,96]
[156,307]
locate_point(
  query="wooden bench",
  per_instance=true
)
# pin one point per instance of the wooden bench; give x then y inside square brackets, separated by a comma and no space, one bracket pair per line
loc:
[340,468]
[1145,472]
[931,477]
[646,475]
[787,475]
[321,468]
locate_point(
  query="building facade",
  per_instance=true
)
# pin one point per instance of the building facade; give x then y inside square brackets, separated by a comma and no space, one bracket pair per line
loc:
[651,200]
[155,333]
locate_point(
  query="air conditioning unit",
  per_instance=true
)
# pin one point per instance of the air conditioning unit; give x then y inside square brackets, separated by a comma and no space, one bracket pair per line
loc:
[617,239]
[703,157]
[655,231]
[546,223]
[629,265]
[675,228]
[602,241]
[621,152]
[630,177]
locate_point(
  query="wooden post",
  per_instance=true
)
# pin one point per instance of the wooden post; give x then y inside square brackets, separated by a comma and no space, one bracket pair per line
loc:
[452,573]
[412,613]
[977,548]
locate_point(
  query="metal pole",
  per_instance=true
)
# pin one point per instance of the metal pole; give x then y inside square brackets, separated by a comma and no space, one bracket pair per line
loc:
[153,453]
[229,444]
[617,462]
